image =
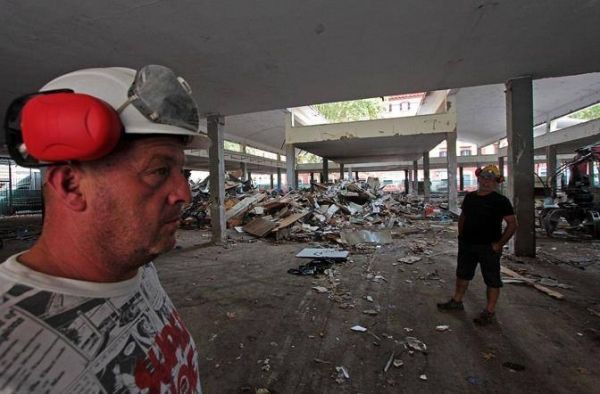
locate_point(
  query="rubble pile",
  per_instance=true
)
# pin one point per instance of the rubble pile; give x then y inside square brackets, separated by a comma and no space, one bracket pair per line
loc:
[197,213]
[348,212]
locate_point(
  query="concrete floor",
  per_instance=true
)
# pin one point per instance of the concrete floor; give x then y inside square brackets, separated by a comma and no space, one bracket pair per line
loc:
[243,308]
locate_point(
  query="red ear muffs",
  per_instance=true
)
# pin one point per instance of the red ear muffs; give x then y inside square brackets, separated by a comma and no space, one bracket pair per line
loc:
[69,126]
[477,172]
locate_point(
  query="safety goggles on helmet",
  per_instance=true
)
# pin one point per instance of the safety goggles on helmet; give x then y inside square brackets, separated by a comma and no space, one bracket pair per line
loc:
[487,175]
[489,172]
[82,115]
[163,97]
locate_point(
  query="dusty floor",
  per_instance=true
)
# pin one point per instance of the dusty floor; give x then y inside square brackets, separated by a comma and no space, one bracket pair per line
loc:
[256,326]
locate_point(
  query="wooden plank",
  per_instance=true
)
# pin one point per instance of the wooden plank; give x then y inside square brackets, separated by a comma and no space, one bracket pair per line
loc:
[243,205]
[288,221]
[259,227]
[543,289]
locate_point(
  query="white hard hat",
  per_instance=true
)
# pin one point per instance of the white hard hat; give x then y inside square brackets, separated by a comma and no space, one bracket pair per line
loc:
[112,85]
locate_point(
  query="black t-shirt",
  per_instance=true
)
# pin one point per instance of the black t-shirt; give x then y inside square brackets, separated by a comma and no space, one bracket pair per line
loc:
[483,217]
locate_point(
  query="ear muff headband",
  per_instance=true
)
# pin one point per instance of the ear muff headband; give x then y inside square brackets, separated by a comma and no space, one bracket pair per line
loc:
[60,126]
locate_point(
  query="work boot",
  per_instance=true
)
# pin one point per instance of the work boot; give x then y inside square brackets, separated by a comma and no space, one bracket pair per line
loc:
[451,305]
[485,317]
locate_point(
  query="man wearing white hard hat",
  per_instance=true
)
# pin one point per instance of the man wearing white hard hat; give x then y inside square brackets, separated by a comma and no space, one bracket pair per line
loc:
[480,241]
[83,309]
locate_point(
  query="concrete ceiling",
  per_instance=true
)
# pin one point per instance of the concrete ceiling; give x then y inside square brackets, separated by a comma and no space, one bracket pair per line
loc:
[481,110]
[246,57]
[243,57]
[379,149]
[264,130]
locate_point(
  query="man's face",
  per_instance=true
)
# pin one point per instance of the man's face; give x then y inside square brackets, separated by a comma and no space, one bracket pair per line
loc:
[136,201]
[487,183]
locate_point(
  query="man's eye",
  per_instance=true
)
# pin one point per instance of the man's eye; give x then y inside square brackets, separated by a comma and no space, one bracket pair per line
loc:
[163,171]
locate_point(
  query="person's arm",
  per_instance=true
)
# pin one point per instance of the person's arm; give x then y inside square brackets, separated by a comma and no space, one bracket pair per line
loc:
[461,223]
[511,227]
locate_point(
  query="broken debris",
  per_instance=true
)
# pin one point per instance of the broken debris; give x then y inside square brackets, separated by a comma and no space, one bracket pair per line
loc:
[409,259]
[315,253]
[342,374]
[365,236]
[416,344]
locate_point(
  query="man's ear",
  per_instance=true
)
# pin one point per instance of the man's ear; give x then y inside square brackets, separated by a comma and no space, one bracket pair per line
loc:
[65,182]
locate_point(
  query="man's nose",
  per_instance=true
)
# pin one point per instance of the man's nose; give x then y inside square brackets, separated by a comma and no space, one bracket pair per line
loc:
[181,192]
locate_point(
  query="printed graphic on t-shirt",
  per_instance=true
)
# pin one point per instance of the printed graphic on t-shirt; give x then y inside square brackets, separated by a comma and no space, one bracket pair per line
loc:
[55,343]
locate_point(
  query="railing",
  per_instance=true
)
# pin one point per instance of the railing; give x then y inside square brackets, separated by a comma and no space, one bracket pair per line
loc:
[20,189]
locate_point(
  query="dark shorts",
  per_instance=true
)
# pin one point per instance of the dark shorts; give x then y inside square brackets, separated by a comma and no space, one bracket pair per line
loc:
[468,257]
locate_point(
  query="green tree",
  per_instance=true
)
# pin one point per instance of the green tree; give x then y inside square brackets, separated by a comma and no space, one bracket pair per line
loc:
[307,157]
[589,113]
[348,111]
[230,145]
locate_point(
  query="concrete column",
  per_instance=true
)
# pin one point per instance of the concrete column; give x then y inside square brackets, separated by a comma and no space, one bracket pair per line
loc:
[249,177]
[519,116]
[411,184]
[290,164]
[416,177]
[278,173]
[356,175]
[551,167]
[350,173]
[312,177]
[271,179]
[279,178]
[216,156]
[451,171]
[341,171]
[461,179]
[406,182]
[325,174]
[244,170]
[501,164]
[426,180]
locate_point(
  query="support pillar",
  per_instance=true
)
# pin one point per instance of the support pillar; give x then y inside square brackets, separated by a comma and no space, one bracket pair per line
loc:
[426,180]
[341,171]
[350,173]
[356,175]
[244,170]
[406,182]
[519,116]
[416,178]
[325,175]
[551,167]
[272,184]
[312,177]
[290,165]
[249,177]
[451,171]
[279,178]
[501,164]
[461,178]
[216,156]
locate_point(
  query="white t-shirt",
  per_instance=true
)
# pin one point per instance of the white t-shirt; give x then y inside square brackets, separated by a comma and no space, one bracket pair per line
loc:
[62,335]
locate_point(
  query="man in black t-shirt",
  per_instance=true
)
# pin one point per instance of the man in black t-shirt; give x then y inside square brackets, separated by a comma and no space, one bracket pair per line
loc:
[480,240]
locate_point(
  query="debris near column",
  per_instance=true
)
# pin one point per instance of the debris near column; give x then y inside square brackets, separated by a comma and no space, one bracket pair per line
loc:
[552,293]
[347,212]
